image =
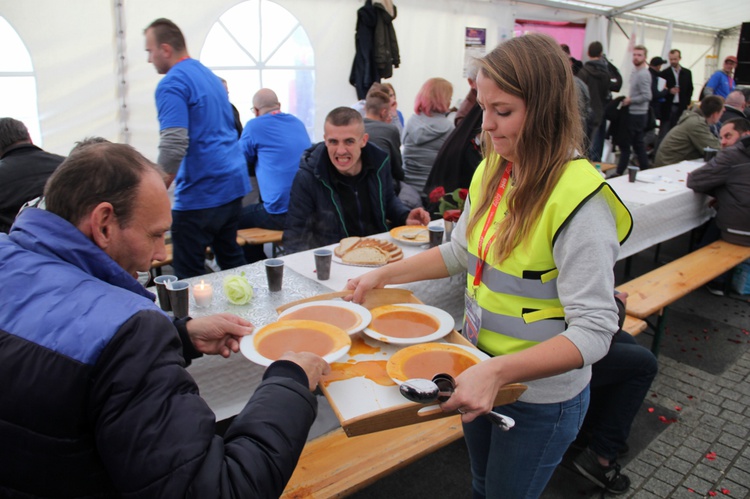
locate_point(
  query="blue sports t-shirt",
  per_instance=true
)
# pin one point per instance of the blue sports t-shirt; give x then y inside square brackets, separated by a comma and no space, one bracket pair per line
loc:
[275,142]
[213,171]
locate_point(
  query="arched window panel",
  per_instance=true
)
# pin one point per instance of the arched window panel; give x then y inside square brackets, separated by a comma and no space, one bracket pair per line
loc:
[13,57]
[222,49]
[259,44]
[18,98]
[294,51]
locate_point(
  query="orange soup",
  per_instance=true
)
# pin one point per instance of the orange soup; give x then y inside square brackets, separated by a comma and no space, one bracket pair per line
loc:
[275,345]
[428,364]
[404,324]
[337,316]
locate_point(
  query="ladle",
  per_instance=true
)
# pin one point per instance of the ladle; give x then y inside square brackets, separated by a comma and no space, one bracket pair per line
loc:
[440,389]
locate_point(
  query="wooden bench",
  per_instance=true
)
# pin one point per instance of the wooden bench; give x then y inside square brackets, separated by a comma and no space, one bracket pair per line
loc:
[652,292]
[156,265]
[633,325]
[262,236]
[335,465]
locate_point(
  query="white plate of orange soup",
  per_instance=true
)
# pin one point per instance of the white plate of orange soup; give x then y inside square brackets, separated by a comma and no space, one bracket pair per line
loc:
[408,324]
[350,317]
[271,341]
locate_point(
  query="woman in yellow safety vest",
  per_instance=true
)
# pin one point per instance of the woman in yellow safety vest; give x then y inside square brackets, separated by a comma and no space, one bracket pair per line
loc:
[538,237]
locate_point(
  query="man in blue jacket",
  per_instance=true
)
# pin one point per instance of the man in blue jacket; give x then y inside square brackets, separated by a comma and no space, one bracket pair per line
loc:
[96,401]
[343,188]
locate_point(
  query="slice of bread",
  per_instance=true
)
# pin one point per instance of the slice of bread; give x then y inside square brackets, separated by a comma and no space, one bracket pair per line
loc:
[345,245]
[369,255]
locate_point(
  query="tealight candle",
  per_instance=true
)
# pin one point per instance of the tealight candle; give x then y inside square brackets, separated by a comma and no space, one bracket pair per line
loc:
[203,294]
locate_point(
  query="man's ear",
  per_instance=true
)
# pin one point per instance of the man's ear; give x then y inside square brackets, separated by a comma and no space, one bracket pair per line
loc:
[365,137]
[101,222]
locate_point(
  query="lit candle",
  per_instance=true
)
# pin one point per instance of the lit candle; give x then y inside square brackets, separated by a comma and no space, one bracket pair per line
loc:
[203,294]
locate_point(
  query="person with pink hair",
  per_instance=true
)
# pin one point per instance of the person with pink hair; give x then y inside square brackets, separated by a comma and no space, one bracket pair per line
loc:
[426,130]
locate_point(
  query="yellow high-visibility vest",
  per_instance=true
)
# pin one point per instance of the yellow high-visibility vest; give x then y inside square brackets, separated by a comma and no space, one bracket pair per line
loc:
[518,296]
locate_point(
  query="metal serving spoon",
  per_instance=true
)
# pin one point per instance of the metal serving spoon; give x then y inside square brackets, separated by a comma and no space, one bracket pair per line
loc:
[440,389]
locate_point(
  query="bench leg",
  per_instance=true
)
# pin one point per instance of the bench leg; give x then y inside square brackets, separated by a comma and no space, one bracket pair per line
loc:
[659,332]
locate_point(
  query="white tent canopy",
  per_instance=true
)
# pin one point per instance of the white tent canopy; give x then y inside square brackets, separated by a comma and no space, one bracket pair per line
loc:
[92,79]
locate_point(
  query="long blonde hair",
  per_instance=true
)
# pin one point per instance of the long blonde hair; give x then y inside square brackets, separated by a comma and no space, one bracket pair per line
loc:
[534,68]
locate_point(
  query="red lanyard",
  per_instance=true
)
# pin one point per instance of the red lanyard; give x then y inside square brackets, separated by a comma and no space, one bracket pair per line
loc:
[490,217]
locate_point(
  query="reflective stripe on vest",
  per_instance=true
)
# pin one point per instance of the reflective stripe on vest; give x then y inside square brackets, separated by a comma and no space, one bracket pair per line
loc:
[518,297]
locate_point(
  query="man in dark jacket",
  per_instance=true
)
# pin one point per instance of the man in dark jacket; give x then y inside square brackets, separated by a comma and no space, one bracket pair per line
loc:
[343,188]
[727,178]
[24,169]
[595,74]
[96,400]
[680,88]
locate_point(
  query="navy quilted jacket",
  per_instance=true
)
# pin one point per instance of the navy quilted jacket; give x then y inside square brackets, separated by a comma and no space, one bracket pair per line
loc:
[95,400]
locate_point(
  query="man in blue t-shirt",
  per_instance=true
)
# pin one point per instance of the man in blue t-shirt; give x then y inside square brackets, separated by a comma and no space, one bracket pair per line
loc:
[198,149]
[273,143]
[721,82]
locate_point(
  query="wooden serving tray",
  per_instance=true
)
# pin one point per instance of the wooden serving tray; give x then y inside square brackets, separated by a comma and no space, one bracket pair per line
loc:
[363,405]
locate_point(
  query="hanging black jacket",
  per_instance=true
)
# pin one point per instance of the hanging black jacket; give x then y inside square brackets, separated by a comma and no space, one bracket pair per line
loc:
[385,46]
[364,71]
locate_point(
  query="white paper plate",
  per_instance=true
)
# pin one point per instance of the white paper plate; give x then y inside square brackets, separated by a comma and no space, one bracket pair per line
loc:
[247,343]
[364,315]
[445,326]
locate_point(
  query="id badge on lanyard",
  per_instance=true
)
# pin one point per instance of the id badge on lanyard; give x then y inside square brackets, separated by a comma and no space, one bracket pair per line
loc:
[472,311]
[472,318]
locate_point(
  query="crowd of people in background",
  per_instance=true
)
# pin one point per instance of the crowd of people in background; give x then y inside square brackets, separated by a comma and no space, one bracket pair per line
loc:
[372,171]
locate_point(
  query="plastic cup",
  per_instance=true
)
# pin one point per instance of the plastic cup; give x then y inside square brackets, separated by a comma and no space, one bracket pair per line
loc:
[709,153]
[323,259]
[161,290]
[179,298]
[448,229]
[632,173]
[436,236]
[274,273]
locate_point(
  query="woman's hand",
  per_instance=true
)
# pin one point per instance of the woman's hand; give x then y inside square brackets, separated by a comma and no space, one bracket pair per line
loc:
[364,283]
[476,390]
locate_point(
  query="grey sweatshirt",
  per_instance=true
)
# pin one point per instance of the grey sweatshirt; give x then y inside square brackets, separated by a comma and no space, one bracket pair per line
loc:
[585,253]
[640,90]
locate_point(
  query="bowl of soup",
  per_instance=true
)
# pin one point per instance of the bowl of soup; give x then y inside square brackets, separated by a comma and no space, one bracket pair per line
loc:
[270,342]
[350,317]
[425,360]
[408,323]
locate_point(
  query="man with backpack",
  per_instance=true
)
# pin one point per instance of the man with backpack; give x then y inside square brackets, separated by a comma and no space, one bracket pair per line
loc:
[602,78]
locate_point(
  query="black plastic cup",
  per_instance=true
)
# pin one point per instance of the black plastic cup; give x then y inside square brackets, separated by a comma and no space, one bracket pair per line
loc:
[709,153]
[161,290]
[632,173]
[179,297]
[436,236]
[323,259]
[274,273]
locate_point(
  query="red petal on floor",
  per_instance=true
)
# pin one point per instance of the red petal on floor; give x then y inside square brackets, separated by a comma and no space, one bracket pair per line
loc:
[690,397]
[725,492]
[711,493]
[690,490]
[650,409]
[711,456]
[663,419]
[677,408]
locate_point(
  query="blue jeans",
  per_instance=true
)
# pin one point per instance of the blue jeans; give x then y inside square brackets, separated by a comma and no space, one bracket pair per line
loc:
[619,383]
[255,215]
[517,464]
[637,132]
[194,230]
[597,136]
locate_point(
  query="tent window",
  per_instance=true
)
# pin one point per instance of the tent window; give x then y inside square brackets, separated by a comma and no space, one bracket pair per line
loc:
[258,44]
[17,81]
